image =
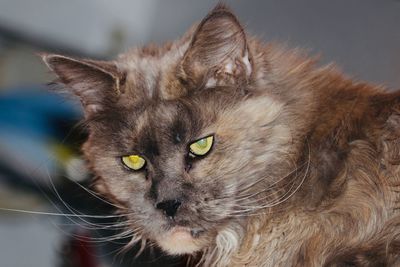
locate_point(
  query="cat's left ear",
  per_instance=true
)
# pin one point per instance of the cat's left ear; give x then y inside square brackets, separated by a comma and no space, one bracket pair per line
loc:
[218,53]
[95,82]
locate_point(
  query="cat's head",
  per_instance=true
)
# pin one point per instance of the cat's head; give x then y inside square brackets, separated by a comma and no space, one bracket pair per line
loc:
[182,136]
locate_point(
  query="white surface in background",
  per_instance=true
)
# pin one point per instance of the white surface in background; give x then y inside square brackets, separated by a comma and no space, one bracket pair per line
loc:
[28,241]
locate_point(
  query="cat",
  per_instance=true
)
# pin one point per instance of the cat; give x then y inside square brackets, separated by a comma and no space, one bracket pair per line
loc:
[241,153]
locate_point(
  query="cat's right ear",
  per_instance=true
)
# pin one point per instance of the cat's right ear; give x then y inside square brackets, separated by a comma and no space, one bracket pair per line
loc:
[96,83]
[218,53]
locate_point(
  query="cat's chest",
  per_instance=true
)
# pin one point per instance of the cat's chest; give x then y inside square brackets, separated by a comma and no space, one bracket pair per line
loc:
[277,242]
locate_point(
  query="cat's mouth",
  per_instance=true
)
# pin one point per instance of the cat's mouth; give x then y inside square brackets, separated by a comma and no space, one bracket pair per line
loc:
[194,231]
[197,232]
[181,240]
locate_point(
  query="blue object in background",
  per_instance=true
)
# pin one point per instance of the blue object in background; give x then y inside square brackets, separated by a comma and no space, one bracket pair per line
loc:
[31,119]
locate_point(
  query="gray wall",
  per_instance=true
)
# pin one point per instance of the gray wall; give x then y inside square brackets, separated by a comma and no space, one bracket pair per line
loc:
[362,36]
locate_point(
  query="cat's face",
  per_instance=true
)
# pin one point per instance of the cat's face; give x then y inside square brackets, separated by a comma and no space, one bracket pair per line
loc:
[206,190]
[178,137]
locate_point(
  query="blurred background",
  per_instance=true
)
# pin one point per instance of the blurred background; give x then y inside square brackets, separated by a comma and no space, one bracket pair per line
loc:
[40,165]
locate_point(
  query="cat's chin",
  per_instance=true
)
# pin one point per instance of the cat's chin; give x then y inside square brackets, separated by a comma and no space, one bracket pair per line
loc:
[179,240]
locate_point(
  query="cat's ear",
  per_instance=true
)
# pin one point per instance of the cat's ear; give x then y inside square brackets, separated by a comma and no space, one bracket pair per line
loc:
[218,53]
[96,83]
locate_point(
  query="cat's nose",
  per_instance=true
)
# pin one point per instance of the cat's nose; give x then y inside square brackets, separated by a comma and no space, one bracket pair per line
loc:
[170,207]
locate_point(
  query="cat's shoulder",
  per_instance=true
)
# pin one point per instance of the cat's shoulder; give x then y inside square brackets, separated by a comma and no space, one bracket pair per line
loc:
[388,132]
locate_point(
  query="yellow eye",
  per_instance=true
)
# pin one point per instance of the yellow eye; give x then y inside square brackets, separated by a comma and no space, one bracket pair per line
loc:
[134,162]
[202,146]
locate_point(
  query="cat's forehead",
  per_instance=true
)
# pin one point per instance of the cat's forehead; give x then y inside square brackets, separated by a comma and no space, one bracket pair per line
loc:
[168,114]
[159,113]
[158,126]
[152,69]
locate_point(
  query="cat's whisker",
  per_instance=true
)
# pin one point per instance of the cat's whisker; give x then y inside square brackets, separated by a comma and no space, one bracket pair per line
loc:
[103,226]
[97,196]
[279,201]
[64,214]
[93,193]
[66,205]
[249,186]
[86,224]
[294,171]
[117,236]
[90,192]
[240,197]
[271,187]
[47,197]
[298,186]
[252,208]
[133,241]
[275,190]
[96,227]
[240,193]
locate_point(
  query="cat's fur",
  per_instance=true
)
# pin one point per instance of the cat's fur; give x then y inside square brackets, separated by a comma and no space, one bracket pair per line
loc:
[305,166]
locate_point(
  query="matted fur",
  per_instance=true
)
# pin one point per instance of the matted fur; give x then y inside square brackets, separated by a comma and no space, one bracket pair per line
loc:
[305,166]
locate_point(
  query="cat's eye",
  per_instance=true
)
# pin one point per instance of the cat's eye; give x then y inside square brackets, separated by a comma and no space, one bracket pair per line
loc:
[133,162]
[201,147]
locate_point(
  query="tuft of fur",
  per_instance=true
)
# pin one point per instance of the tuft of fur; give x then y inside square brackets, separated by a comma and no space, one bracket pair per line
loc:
[305,168]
